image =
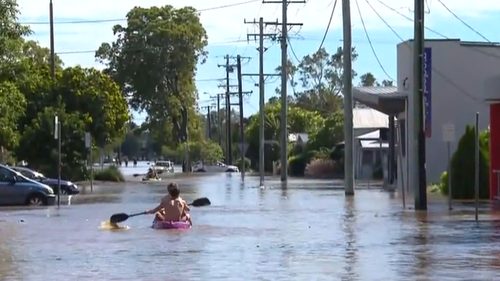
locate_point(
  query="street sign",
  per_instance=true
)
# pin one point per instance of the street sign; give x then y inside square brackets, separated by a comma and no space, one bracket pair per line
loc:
[243,147]
[448,132]
[87,140]
[56,127]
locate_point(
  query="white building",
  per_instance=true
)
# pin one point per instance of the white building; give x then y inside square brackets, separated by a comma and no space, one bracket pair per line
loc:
[462,77]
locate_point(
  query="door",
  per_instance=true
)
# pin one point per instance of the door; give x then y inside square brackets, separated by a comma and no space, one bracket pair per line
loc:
[8,192]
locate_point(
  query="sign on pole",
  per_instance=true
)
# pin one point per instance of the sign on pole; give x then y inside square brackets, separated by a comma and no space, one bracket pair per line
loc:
[87,140]
[448,132]
[56,127]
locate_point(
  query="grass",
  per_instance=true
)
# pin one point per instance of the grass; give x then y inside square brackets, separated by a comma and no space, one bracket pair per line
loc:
[111,174]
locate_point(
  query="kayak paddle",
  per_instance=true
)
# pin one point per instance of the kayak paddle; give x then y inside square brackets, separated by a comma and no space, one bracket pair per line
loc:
[121,217]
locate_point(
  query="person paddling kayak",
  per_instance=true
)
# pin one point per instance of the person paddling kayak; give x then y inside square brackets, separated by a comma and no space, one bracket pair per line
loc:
[172,207]
[151,174]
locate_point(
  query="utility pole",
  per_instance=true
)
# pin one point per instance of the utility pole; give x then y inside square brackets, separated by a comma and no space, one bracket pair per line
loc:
[284,80]
[418,107]
[242,129]
[348,103]
[229,69]
[219,119]
[262,98]
[209,121]
[58,123]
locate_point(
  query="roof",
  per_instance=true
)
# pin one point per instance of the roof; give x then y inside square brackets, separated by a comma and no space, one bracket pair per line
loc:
[296,136]
[369,118]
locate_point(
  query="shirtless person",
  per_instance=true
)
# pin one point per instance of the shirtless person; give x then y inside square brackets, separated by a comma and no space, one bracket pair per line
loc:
[172,207]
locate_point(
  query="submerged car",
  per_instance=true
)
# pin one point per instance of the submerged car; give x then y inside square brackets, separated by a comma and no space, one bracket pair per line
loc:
[67,187]
[217,167]
[16,189]
[164,167]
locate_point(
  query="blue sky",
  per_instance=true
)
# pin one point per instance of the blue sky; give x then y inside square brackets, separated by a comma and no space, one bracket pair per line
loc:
[75,43]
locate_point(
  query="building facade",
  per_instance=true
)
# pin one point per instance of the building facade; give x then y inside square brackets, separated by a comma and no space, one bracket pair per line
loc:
[462,79]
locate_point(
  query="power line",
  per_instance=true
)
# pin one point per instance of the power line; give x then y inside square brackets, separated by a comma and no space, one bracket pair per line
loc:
[444,77]
[124,19]
[293,51]
[462,21]
[406,17]
[328,26]
[138,49]
[430,30]
[370,42]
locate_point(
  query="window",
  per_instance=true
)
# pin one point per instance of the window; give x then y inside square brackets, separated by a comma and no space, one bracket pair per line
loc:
[27,174]
[5,175]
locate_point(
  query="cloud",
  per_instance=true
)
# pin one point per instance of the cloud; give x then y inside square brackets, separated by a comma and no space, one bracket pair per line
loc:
[223,25]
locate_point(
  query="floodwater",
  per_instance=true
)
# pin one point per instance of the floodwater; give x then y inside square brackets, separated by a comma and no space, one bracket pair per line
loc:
[307,231]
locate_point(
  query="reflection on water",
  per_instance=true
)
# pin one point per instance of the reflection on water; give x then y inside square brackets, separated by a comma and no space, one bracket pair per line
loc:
[297,231]
[106,225]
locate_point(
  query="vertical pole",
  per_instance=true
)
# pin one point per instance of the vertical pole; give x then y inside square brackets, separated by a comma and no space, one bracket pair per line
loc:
[219,132]
[229,153]
[91,168]
[284,82]
[476,170]
[418,108]
[348,104]
[400,165]
[242,131]
[262,101]
[53,76]
[59,165]
[52,51]
[209,132]
[450,207]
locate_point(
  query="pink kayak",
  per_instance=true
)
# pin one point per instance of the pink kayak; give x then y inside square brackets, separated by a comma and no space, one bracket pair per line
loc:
[171,225]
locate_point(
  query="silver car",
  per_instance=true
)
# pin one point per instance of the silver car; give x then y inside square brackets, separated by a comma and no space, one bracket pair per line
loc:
[16,189]
[164,166]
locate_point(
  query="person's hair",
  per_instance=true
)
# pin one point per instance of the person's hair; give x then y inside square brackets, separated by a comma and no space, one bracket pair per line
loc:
[173,190]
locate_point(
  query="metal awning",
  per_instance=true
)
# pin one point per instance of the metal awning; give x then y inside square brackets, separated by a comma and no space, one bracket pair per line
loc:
[384,99]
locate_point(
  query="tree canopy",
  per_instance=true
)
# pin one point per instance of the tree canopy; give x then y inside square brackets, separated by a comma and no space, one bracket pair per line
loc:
[84,99]
[153,59]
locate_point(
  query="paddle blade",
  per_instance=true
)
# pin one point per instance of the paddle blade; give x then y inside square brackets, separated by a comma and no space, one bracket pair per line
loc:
[116,218]
[200,202]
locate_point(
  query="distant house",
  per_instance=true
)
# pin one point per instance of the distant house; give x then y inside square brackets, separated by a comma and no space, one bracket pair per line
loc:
[366,120]
[371,142]
[298,138]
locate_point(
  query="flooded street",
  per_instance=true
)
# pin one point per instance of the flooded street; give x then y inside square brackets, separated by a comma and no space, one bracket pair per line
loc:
[307,231]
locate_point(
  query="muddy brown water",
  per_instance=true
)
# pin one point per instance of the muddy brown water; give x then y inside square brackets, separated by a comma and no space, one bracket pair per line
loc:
[307,231]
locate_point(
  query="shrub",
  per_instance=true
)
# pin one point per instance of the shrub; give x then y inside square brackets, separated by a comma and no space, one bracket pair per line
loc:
[297,165]
[238,163]
[109,174]
[463,168]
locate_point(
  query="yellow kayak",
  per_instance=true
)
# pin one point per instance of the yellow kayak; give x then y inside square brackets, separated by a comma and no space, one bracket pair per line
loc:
[151,179]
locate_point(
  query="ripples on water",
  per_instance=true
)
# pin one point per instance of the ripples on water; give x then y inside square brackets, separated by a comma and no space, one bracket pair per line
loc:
[302,233]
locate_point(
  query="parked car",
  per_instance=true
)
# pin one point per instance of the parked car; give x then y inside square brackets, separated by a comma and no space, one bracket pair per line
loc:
[217,167]
[164,166]
[16,189]
[67,187]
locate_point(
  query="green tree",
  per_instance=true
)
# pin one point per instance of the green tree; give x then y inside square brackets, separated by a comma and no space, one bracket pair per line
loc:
[12,102]
[331,132]
[299,121]
[39,148]
[154,60]
[12,108]
[368,80]
[463,167]
[98,99]
[207,151]
[317,81]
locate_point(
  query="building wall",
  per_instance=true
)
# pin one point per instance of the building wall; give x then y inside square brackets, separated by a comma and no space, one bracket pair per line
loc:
[459,72]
